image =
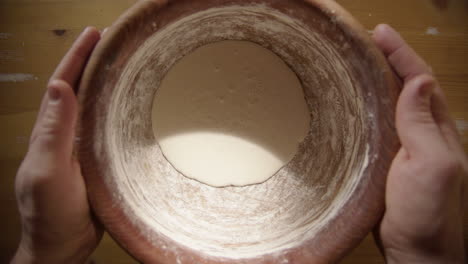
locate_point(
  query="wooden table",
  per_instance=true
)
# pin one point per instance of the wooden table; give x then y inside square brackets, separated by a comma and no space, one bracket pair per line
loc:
[35,34]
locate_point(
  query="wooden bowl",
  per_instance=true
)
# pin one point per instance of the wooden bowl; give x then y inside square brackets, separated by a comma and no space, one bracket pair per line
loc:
[314,210]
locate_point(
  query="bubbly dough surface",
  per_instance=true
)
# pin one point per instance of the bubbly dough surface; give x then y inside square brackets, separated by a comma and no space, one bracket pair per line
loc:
[231,113]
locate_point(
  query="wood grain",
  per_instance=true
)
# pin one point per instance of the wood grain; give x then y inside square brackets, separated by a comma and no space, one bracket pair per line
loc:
[28,44]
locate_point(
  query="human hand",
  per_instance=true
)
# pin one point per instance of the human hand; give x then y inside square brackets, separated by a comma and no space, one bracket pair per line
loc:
[57,223]
[423,221]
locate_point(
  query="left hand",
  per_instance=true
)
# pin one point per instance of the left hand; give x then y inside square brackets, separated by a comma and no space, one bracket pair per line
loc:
[57,223]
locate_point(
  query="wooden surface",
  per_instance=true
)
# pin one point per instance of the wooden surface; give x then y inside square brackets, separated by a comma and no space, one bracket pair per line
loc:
[35,34]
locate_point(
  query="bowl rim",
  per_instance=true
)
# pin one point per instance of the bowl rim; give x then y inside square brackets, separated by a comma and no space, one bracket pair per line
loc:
[357,217]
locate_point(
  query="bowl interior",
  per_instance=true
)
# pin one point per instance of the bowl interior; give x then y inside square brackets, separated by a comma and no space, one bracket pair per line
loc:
[300,200]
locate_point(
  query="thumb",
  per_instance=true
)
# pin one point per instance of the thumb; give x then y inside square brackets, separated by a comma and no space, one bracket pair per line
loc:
[55,131]
[416,127]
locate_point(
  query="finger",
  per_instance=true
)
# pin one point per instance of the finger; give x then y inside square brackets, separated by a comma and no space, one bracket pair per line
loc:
[56,129]
[71,66]
[416,127]
[400,55]
[104,31]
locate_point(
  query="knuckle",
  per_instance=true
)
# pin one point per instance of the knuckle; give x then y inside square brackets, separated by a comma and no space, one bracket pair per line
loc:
[49,120]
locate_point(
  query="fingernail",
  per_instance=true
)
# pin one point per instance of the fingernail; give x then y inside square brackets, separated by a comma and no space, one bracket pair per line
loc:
[54,93]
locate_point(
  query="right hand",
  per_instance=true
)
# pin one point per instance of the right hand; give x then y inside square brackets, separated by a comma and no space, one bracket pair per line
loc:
[423,220]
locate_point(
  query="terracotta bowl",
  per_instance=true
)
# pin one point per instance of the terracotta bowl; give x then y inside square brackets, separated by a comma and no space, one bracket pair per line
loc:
[314,210]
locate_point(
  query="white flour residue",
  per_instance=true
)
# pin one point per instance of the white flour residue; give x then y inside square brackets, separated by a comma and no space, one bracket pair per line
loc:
[433,31]
[16,77]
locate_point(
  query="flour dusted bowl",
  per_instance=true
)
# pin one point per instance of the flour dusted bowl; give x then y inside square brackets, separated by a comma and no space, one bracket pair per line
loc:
[314,210]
